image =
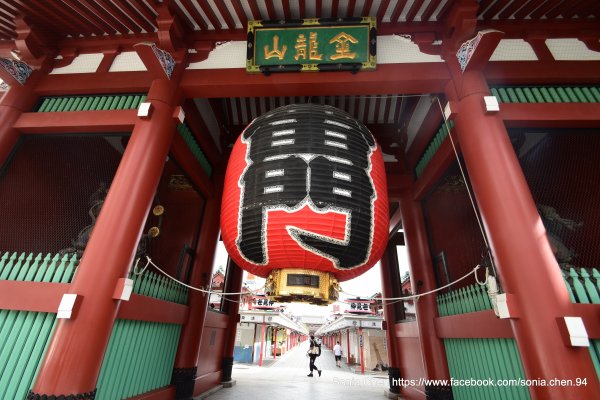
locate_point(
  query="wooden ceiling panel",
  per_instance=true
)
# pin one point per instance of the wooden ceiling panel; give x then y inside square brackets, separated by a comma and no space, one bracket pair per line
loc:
[367,7]
[384,115]
[302,7]
[126,18]
[400,4]
[190,11]
[99,9]
[414,10]
[271,9]
[512,9]
[429,10]
[492,11]
[545,8]
[287,12]
[81,12]
[382,9]
[254,8]
[193,12]
[140,16]
[208,11]
[225,14]
[42,16]
[528,8]
[239,11]
[148,12]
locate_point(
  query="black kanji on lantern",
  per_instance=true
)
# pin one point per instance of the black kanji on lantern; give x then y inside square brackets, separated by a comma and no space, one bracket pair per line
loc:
[308,154]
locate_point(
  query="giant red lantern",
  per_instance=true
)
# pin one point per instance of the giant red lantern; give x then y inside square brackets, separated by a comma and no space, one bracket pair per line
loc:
[305,201]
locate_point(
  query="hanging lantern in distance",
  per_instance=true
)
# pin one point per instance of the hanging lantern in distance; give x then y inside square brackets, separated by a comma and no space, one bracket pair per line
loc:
[305,201]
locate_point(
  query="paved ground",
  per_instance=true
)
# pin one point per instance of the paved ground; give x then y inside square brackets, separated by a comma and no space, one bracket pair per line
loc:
[286,379]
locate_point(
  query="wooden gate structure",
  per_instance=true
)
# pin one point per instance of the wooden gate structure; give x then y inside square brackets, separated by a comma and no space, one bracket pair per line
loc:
[488,114]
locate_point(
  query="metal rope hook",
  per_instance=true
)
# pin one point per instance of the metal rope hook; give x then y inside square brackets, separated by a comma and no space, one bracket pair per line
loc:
[135,270]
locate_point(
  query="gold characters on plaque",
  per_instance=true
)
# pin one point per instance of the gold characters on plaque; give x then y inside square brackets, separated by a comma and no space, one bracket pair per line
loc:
[275,52]
[342,46]
[309,49]
[301,47]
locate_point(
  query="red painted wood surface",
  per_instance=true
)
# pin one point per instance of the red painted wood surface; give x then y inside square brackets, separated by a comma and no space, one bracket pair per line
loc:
[31,296]
[76,350]
[403,78]
[77,122]
[233,284]
[210,357]
[166,393]
[144,308]
[542,73]
[206,382]
[550,115]
[390,289]
[481,324]
[539,288]
[406,330]
[188,350]
[590,313]
[417,242]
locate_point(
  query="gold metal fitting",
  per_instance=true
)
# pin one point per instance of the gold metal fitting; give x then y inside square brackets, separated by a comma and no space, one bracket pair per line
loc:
[154,231]
[158,210]
[302,285]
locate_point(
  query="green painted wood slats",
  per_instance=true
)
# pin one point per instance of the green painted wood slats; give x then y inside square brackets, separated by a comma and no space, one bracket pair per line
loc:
[480,358]
[91,103]
[468,299]
[499,358]
[140,355]
[187,135]
[484,359]
[24,335]
[433,147]
[583,285]
[547,94]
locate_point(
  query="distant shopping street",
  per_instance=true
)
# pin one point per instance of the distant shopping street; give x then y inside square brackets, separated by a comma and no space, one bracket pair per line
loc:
[286,378]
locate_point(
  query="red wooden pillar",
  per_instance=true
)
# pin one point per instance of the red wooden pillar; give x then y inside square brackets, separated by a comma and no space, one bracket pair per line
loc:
[527,267]
[74,357]
[17,100]
[435,363]
[348,337]
[233,284]
[187,358]
[361,345]
[390,284]
[275,343]
[262,344]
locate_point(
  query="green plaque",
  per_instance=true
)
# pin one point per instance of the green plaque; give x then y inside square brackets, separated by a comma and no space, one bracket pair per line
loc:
[312,45]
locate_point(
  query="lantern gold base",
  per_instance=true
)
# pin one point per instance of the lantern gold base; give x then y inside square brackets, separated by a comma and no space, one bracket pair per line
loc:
[302,285]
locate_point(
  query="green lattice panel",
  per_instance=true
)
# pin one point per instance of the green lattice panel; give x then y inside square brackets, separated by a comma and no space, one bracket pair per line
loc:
[91,103]
[547,94]
[24,335]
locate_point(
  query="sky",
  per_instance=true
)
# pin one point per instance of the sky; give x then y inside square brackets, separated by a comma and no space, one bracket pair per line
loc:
[364,285]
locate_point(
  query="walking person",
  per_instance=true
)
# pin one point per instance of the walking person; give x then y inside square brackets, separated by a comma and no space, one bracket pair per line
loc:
[337,352]
[313,352]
